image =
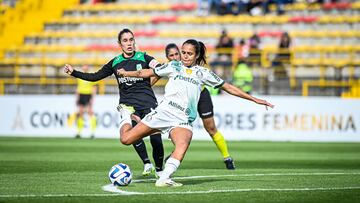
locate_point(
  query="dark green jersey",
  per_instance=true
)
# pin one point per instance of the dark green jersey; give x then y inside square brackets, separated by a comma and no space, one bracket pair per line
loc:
[136,92]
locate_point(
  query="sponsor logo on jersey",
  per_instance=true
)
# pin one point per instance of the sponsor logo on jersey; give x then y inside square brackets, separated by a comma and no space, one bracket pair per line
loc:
[186,124]
[199,74]
[161,67]
[129,80]
[176,105]
[187,79]
[217,78]
[138,67]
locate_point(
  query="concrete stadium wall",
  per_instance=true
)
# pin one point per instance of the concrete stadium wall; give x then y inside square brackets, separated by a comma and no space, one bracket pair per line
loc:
[318,119]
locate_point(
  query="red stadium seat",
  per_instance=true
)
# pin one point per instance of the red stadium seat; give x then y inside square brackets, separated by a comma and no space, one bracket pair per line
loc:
[161,19]
[181,7]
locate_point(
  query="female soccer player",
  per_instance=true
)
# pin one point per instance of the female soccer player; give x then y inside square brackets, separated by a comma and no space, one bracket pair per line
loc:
[178,109]
[206,112]
[135,93]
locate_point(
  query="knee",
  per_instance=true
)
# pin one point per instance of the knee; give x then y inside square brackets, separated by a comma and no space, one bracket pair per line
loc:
[125,140]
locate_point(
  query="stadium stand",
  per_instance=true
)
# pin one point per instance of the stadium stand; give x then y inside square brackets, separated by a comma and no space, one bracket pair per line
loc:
[324,48]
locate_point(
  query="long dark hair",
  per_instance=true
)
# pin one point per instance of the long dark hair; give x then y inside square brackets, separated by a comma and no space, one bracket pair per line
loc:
[125,30]
[170,46]
[200,51]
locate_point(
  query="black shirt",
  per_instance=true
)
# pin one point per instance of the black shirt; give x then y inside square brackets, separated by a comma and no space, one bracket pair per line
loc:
[136,92]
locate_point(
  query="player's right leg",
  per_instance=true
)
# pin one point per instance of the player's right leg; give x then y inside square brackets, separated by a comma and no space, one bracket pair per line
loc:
[158,151]
[126,124]
[219,141]
[79,121]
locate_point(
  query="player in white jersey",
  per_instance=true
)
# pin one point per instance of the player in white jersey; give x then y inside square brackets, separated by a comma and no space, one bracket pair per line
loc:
[206,112]
[179,106]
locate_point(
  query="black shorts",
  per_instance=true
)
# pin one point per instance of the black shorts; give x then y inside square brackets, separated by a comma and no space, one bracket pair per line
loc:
[205,105]
[84,99]
[142,113]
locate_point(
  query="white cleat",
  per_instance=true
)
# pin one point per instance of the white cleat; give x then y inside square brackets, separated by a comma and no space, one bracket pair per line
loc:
[167,183]
[148,169]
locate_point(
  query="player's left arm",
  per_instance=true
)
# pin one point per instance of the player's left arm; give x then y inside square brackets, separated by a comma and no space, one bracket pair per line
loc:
[210,78]
[231,89]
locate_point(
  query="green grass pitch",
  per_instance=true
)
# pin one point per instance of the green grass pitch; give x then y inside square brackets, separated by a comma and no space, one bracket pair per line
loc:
[75,170]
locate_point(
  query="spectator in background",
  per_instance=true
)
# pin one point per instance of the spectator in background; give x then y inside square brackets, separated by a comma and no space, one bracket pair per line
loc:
[243,77]
[254,51]
[204,7]
[85,94]
[279,6]
[223,61]
[243,50]
[253,7]
[282,57]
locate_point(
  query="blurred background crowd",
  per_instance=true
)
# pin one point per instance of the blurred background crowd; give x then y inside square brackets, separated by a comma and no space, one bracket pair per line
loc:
[271,47]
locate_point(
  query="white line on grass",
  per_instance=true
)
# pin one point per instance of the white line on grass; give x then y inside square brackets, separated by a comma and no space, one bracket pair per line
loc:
[112,188]
[248,175]
[116,191]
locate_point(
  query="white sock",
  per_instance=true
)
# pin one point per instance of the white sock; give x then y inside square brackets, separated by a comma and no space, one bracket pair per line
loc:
[171,166]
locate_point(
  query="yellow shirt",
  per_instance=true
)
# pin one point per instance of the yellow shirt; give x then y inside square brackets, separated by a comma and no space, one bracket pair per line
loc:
[85,87]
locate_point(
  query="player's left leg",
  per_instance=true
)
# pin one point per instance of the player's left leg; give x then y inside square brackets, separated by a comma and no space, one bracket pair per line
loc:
[181,138]
[92,120]
[219,140]
[80,121]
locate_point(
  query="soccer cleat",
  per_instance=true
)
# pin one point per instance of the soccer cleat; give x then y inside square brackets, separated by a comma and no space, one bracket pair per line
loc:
[167,183]
[229,163]
[148,169]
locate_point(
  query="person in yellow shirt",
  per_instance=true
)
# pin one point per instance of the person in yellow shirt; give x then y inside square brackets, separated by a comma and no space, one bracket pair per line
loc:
[85,97]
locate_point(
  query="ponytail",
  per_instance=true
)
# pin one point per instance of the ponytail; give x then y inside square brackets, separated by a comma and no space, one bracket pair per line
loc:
[200,51]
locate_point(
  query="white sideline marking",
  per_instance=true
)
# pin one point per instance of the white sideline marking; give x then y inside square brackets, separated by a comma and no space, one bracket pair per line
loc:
[249,175]
[112,188]
[115,191]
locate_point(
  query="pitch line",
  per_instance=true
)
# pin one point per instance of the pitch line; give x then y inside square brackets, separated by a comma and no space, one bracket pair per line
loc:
[249,175]
[113,189]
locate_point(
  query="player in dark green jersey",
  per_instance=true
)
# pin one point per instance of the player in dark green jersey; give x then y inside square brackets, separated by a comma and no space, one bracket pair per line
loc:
[135,93]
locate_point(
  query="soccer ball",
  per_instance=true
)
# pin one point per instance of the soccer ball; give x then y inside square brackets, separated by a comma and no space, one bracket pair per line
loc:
[120,175]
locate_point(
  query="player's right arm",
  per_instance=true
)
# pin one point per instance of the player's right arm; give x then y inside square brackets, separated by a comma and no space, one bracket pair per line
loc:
[143,73]
[104,72]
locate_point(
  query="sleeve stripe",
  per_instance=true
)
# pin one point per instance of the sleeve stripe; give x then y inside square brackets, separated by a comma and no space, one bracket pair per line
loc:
[155,72]
[220,85]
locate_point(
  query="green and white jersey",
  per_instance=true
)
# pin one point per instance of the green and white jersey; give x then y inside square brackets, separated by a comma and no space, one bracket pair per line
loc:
[183,89]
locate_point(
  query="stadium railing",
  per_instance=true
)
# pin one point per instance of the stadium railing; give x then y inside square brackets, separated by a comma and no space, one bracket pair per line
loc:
[353,85]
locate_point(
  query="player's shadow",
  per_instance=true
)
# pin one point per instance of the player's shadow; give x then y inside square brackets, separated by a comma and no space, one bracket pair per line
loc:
[214,180]
[275,164]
